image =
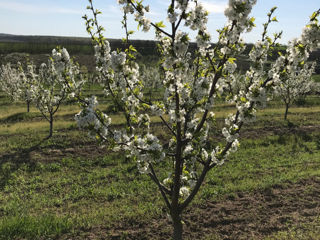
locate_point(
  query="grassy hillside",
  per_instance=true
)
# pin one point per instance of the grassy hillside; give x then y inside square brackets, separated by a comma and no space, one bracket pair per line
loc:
[75,45]
[37,47]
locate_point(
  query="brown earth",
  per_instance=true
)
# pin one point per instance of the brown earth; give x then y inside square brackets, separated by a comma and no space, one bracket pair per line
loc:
[251,133]
[245,216]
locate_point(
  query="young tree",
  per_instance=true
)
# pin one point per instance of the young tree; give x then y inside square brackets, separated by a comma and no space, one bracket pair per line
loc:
[55,80]
[151,79]
[27,85]
[294,85]
[192,85]
[18,84]
[10,81]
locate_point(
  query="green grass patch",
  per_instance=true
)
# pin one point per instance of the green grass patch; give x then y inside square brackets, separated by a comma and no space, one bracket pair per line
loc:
[316,78]
[263,163]
[30,227]
[310,230]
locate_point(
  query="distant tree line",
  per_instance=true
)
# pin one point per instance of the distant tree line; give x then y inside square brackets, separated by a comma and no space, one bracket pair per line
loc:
[79,46]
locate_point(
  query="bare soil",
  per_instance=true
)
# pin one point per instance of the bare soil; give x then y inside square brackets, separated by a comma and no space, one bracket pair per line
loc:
[251,133]
[244,216]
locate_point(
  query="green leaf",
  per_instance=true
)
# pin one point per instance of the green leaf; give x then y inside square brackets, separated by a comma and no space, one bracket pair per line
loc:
[243,99]
[313,16]
[231,60]
[301,46]
[160,24]
[132,48]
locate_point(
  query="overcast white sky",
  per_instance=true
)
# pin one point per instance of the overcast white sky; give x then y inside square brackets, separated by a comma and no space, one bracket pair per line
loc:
[63,17]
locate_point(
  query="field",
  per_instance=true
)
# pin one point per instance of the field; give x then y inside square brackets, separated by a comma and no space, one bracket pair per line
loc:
[69,187]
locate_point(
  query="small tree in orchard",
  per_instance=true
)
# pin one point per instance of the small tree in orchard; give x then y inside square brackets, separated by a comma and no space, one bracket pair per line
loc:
[294,85]
[152,80]
[18,84]
[27,85]
[54,81]
[10,81]
[192,84]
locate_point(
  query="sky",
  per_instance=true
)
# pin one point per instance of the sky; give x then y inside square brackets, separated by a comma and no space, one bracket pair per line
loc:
[64,17]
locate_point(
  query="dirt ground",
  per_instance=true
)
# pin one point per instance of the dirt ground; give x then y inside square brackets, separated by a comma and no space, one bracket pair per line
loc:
[243,216]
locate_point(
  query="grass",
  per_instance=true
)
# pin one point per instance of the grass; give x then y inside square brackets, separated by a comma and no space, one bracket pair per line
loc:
[310,230]
[68,185]
[34,227]
[316,78]
[265,162]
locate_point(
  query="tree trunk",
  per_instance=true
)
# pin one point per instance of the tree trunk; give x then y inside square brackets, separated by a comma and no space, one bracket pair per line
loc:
[28,106]
[177,226]
[51,126]
[286,112]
